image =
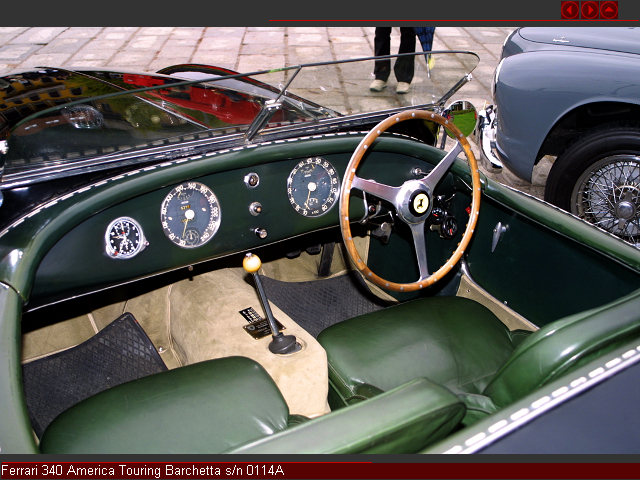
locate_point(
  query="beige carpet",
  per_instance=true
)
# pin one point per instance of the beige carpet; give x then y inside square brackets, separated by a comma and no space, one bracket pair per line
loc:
[199,319]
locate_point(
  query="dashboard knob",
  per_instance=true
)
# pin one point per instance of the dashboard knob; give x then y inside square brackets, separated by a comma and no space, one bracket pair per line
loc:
[261,233]
[251,180]
[251,263]
[449,227]
[255,209]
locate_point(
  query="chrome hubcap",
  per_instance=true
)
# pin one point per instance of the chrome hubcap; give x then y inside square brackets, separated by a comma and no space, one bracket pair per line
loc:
[626,210]
[608,195]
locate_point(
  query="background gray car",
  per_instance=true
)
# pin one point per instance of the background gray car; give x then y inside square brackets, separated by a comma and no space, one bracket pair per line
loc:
[573,93]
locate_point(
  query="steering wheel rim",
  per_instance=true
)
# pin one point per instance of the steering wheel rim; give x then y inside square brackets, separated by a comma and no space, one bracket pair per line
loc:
[404,199]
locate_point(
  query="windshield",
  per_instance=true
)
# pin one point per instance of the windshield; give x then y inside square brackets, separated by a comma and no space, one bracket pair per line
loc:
[344,86]
[53,120]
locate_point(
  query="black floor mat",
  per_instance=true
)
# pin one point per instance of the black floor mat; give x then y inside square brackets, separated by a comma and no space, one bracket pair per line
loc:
[319,304]
[117,354]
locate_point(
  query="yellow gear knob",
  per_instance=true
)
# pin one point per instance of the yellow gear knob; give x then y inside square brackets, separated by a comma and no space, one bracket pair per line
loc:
[251,263]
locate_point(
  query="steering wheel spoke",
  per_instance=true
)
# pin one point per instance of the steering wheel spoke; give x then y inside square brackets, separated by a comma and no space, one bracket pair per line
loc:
[440,170]
[380,190]
[420,245]
[412,201]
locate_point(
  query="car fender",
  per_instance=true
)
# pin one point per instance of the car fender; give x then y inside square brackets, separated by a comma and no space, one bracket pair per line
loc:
[534,90]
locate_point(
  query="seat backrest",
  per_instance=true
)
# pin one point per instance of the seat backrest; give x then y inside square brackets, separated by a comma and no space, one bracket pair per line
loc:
[564,345]
[231,405]
[452,341]
[206,407]
[400,420]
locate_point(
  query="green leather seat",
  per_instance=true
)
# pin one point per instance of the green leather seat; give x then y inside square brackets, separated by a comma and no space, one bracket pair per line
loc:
[231,405]
[461,345]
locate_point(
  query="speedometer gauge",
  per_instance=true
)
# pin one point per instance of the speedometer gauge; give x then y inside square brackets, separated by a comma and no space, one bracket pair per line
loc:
[190,215]
[313,186]
[124,238]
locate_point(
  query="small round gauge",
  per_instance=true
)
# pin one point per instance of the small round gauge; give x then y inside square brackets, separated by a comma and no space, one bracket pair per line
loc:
[313,187]
[190,215]
[124,238]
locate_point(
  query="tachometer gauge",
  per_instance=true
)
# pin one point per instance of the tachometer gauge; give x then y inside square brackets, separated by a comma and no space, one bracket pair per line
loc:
[313,187]
[190,215]
[124,238]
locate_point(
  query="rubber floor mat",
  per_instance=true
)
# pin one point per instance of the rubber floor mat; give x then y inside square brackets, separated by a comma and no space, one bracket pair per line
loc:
[119,353]
[319,304]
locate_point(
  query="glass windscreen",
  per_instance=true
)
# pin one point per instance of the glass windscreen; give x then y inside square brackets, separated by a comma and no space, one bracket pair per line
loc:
[55,120]
[344,86]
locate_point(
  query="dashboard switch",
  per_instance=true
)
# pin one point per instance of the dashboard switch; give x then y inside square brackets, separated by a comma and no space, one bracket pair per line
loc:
[255,209]
[261,233]
[251,180]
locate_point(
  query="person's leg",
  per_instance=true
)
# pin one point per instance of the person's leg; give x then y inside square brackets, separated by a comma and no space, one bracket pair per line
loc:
[404,66]
[382,46]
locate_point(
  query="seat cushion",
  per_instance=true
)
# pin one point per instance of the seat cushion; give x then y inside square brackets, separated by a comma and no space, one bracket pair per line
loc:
[451,341]
[207,407]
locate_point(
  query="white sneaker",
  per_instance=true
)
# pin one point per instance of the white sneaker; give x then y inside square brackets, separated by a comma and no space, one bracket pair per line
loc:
[403,87]
[377,85]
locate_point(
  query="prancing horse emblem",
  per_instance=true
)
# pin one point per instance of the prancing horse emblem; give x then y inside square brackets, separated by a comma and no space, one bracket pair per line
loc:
[421,203]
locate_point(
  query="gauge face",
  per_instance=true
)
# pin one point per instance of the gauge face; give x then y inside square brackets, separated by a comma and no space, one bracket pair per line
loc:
[190,215]
[124,238]
[313,187]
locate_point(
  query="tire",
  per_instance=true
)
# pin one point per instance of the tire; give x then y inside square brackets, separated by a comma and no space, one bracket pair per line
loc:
[598,179]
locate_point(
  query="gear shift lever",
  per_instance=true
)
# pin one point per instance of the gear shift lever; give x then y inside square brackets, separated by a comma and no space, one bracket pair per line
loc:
[281,344]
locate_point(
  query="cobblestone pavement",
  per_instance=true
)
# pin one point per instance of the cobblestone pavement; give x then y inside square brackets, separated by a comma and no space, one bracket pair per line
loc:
[241,49]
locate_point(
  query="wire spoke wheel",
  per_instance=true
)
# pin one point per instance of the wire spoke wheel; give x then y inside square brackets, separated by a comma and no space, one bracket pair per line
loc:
[608,195]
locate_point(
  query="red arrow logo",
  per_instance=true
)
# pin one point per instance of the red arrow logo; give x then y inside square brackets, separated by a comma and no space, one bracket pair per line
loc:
[569,10]
[609,10]
[590,10]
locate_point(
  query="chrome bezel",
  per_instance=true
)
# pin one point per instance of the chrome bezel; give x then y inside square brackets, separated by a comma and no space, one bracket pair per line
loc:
[247,180]
[215,214]
[328,203]
[112,252]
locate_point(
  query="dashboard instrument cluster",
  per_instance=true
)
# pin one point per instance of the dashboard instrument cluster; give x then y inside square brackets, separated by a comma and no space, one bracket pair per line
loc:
[166,219]
[190,213]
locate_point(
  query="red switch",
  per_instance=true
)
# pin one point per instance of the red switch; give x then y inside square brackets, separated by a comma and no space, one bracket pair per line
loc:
[590,10]
[609,10]
[569,10]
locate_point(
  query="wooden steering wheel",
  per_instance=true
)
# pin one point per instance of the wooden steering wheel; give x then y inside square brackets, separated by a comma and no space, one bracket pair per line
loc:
[413,201]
